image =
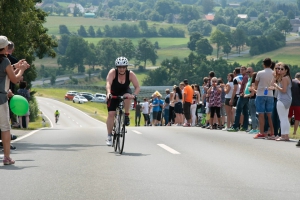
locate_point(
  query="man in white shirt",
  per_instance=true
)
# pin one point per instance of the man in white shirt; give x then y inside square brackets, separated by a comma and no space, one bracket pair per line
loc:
[145,111]
[264,97]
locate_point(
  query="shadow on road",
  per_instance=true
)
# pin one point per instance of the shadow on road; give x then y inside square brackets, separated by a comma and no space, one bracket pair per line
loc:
[14,167]
[130,154]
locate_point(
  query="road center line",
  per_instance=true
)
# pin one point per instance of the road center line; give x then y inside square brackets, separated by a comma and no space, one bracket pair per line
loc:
[137,132]
[169,149]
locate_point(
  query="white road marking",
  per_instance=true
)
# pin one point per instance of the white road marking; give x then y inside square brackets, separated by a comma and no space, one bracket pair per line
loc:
[137,132]
[169,149]
[25,136]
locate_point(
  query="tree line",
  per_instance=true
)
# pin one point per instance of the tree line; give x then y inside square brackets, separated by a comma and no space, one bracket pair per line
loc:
[126,30]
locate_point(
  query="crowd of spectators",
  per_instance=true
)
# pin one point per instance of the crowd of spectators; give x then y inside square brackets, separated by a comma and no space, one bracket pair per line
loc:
[249,101]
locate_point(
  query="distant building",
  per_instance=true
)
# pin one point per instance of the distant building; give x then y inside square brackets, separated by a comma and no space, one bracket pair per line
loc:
[234,5]
[92,9]
[210,17]
[243,16]
[295,24]
[89,15]
[73,5]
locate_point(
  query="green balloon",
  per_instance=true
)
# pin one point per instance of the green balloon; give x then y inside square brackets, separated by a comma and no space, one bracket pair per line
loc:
[18,105]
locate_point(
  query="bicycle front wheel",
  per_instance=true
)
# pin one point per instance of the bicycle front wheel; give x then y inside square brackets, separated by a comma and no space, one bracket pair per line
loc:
[121,135]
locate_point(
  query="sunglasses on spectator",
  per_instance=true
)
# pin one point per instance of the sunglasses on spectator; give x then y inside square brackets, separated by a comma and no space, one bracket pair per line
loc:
[248,72]
[278,68]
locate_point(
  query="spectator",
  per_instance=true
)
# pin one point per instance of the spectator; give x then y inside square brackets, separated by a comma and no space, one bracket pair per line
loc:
[138,109]
[160,110]
[228,94]
[284,101]
[199,105]
[187,102]
[145,111]
[167,107]
[178,106]
[295,106]
[264,98]
[171,109]
[214,93]
[26,94]
[222,109]
[252,107]
[195,102]
[7,74]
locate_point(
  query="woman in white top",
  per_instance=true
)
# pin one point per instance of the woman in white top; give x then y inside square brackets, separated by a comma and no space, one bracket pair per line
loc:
[228,108]
[196,101]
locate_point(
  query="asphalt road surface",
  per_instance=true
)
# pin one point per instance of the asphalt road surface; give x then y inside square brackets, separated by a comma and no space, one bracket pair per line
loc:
[71,161]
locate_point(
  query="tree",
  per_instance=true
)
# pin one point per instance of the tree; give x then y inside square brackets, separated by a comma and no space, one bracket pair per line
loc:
[290,15]
[99,33]
[218,38]
[284,25]
[146,51]
[126,48]
[76,52]
[82,32]
[92,31]
[238,38]
[63,44]
[193,40]
[107,52]
[143,26]
[226,49]
[91,58]
[223,3]
[30,35]
[53,79]
[203,47]
[207,5]
[63,29]
[188,13]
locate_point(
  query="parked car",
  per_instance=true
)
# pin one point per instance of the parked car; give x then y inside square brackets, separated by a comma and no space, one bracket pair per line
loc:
[70,95]
[100,98]
[87,96]
[79,99]
[88,93]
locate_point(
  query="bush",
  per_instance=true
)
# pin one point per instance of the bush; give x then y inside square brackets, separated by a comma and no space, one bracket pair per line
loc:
[33,109]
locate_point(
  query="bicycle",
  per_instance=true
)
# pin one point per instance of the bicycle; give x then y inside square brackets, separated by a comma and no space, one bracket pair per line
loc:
[119,129]
[56,118]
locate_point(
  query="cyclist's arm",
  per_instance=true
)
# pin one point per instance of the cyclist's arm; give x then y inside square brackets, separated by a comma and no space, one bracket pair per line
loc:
[109,79]
[135,82]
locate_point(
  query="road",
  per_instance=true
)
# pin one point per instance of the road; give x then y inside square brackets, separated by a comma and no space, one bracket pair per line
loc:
[71,161]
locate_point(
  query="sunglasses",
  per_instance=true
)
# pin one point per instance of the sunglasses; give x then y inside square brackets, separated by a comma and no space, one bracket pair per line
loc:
[278,68]
[248,72]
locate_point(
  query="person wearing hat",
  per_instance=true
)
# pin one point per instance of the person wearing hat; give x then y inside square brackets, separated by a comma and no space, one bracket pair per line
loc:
[7,74]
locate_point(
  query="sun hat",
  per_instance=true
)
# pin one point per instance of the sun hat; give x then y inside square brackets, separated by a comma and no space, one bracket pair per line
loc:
[3,41]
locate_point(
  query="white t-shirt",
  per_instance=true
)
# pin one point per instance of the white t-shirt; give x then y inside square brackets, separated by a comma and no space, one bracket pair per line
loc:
[265,78]
[145,108]
[229,94]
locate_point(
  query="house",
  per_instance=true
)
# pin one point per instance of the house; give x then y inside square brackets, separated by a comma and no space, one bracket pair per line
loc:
[89,15]
[73,5]
[295,24]
[92,9]
[242,16]
[210,17]
[234,5]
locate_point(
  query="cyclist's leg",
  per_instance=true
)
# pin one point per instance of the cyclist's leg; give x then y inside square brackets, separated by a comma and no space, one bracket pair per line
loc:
[111,107]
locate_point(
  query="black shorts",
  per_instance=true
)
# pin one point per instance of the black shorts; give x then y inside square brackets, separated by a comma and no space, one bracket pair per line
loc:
[235,100]
[112,104]
[178,108]
[155,114]
[227,102]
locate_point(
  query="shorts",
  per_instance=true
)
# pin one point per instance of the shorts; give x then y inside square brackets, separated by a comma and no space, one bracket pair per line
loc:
[112,104]
[207,108]
[155,114]
[4,117]
[178,108]
[264,104]
[227,102]
[295,110]
[235,100]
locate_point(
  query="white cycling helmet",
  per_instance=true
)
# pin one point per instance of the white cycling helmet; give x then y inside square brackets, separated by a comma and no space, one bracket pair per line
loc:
[121,61]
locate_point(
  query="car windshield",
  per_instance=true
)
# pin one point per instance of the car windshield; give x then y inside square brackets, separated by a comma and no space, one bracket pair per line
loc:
[81,97]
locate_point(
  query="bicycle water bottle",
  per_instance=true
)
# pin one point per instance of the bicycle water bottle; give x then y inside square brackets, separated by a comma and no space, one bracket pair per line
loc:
[266,91]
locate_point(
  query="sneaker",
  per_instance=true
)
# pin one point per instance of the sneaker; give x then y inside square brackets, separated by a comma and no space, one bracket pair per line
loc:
[109,140]
[8,161]
[242,129]
[259,136]
[12,147]
[127,120]
[225,129]
[298,144]
[253,131]
[186,125]
[13,137]
[233,129]
[219,127]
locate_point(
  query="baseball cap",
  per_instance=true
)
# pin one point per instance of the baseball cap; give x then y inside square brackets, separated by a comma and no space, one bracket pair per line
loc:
[3,41]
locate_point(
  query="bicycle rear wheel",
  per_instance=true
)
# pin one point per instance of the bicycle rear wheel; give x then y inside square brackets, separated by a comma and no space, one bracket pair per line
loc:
[121,135]
[116,130]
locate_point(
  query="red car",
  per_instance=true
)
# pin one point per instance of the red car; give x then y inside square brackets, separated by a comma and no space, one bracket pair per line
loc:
[70,95]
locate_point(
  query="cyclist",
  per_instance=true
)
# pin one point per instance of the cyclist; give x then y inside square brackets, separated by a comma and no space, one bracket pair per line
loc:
[117,84]
[56,114]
